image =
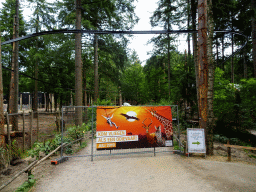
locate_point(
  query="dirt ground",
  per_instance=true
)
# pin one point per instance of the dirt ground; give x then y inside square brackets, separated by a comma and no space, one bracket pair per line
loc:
[144,172]
[46,124]
[141,172]
[196,169]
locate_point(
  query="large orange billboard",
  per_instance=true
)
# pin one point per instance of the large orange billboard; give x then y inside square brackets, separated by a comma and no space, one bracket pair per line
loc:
[133,127]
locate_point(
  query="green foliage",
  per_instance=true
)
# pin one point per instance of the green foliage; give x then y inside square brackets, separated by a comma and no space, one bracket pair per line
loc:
[73,133]
[104,102]
[234,104]
[16,152]
[27,185]
[3,157]
[132,83]
[224,99]
[248,90]
[176,145]
[76,132]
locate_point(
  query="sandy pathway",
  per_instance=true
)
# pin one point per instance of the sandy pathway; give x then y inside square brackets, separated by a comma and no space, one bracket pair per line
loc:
[165,172]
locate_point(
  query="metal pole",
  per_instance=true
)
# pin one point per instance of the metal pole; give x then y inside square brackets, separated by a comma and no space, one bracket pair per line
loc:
[61,149]
[92,137]
[154,151]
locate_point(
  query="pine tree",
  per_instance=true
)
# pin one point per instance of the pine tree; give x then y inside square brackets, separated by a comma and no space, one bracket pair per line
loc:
[41,17]
[166,15]
[2,138]
[78,64]
[14,82]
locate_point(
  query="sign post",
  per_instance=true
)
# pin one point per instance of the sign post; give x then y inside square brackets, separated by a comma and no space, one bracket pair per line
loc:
[196,141]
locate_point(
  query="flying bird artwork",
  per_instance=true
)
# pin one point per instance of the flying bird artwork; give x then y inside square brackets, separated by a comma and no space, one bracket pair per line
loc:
[128,117]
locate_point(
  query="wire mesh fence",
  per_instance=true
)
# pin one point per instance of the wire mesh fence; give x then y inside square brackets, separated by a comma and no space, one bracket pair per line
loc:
[23,129]
[31,126]
[88,118]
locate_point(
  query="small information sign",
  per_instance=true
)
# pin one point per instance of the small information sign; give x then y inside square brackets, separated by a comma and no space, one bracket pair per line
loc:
[196,140]
[168,143]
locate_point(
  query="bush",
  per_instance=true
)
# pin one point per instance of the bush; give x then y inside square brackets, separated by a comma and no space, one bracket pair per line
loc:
[26,186]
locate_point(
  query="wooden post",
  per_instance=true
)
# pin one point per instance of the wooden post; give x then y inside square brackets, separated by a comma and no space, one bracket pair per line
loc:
[21,101]
[31,127]
[8,136]
[23,131]
[120,98]
[29,102]
[60,122]
[37,127]
[45,101]
[229,151]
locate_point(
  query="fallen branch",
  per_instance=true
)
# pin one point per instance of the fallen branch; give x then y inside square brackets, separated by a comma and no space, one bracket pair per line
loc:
[35,163]
[41,160]
[18,174]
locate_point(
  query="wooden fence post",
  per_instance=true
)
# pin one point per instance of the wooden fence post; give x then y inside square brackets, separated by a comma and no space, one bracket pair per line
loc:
[8,137]
[31,127]
[229,151]
[23,131]
[60,122]
[37,127]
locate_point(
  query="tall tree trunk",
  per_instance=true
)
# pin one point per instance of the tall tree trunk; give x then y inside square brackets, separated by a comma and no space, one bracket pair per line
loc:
[85,92]
[169,65]
[254,36]
[245,64]
[85,96]
[188,27]
[35,103]
[232,59]
[211,68]
[14,83]
[217,51]
[186,91]
[78,65]
[202,62]
[232,51]
[195,51]
[2,138]
[96,66]
[223,49]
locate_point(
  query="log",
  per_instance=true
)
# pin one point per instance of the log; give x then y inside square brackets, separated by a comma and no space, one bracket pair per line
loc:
[41,160]
[35,163]
[18,174]
[63,145]
[240,147]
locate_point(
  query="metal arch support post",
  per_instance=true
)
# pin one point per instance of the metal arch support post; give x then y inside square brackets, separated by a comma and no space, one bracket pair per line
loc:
[92,137]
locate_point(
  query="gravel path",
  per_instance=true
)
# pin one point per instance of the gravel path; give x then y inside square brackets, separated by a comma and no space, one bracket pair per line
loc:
[144,172]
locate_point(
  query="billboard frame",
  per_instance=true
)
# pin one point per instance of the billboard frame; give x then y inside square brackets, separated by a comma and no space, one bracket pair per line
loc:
[154,150]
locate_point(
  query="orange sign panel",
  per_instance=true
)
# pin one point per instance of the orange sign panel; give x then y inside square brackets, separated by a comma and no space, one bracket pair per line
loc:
[134,126]
[105,145]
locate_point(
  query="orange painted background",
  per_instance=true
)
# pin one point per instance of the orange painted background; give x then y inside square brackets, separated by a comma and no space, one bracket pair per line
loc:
[133,124]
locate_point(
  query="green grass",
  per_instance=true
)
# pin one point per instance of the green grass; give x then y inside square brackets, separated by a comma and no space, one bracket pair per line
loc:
[252,156]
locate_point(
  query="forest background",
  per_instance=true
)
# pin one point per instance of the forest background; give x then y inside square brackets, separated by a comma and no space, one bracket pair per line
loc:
[107,70]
